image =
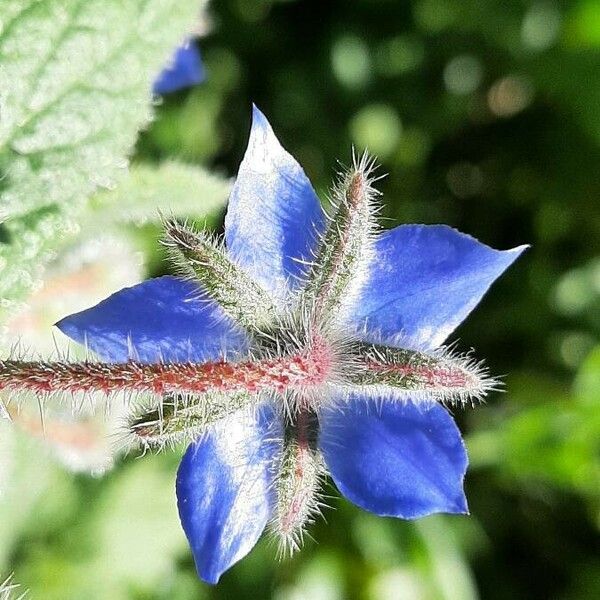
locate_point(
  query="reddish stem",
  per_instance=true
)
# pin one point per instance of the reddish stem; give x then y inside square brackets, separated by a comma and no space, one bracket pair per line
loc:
[301,369]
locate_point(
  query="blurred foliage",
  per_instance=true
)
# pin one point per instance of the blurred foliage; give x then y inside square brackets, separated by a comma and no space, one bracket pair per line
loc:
[484,115]
[74,93]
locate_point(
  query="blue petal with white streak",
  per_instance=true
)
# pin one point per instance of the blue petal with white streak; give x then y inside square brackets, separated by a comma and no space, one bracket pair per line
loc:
[274,215]
[395,459]
[225,487]
[423,281]
[185,70]
[160,319]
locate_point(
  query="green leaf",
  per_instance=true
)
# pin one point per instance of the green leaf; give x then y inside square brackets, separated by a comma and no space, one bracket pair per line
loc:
[175,188]
[122,541]
[75,81]
[26,244]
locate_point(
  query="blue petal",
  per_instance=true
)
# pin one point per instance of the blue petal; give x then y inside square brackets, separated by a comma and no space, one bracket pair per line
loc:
[160,319]
[424,280]
[274,215]
[224,489]
[400,459]
[184,70]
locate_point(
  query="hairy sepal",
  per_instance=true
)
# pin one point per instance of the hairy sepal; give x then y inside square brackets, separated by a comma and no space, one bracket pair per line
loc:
[298,482]
[202,258]
[344,251]
[182,419]
[440,375]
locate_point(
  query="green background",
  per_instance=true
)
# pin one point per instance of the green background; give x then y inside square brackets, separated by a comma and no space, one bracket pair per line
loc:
[485,116]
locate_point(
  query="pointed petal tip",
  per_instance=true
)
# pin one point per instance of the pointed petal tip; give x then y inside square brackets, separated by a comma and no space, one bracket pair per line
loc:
[257,114]
[460,506]
[260,124]
[429,262]
[513,252]
[518,250]
[510,255]
[441,226]
[62,324]
[69,326]
[209,576]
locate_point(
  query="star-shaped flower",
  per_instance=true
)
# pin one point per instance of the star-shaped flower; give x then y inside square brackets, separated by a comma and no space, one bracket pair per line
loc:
[311,345]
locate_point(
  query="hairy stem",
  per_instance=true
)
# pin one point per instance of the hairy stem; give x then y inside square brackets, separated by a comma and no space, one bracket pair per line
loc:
[278,374]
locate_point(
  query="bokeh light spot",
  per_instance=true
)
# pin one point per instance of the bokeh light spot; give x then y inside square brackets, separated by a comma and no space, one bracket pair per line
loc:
[541,26]
[350,61]
[463,74]
[377,128]
[510,95]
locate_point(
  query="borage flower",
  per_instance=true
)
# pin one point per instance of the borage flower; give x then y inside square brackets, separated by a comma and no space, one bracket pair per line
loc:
[185,69]
[312,345]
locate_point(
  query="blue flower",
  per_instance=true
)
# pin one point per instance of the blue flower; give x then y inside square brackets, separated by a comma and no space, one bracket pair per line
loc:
[184,70]
[392,455]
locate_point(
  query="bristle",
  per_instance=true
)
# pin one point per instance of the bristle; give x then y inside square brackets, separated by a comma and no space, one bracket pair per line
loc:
[9,590]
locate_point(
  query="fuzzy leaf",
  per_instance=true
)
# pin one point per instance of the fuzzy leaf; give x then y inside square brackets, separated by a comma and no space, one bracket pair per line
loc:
[26,244]
[179,189]
[75,88]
